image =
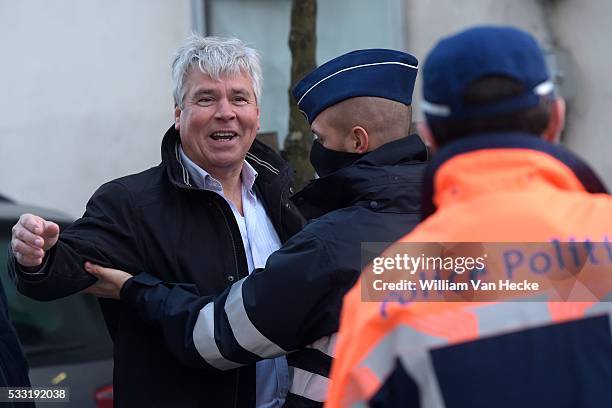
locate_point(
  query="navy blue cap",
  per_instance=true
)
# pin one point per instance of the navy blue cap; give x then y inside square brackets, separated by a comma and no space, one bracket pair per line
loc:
[383,73]
[459,60]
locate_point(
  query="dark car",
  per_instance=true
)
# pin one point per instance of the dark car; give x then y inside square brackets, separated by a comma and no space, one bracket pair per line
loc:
[65,341]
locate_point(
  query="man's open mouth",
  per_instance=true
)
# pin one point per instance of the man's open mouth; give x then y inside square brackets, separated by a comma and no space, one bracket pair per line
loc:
[223,136]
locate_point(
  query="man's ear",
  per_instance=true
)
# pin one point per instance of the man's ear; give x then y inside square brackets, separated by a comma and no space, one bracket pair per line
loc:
[427,136]
[177,117]
[359,140]
[556,122]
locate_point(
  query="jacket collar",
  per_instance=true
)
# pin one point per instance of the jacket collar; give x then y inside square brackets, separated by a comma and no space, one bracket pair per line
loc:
[406,149]
[532,164]
[379,180]
[264,160]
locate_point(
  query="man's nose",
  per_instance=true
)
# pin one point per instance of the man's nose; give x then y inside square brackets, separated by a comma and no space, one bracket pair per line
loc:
[225,110]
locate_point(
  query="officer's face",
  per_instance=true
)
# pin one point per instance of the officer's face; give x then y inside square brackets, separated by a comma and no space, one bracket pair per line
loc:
[218,121]
[331,133]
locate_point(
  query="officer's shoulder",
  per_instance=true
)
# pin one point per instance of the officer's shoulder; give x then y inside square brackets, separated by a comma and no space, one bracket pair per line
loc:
[335,222]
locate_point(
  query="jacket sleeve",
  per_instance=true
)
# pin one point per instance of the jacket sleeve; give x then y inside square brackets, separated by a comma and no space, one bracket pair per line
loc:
[284,307]
[104,235]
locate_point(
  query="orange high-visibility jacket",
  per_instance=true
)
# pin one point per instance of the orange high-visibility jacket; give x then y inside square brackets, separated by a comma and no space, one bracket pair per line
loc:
[493,188]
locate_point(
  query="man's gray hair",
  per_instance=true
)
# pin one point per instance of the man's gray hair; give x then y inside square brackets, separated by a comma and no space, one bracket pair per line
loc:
[214,56]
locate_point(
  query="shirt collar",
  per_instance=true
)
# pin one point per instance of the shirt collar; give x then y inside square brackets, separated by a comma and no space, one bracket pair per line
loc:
[202,179]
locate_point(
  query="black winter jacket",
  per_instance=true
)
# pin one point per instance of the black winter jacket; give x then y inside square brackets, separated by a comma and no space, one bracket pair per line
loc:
[294,303]
[157,221]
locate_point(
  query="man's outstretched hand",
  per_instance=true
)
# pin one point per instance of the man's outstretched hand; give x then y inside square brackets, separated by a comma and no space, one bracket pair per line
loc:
[110,281]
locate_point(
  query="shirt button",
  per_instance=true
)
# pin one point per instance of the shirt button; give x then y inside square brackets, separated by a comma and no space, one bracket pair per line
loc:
[291,190]
[230,278]
[373,204]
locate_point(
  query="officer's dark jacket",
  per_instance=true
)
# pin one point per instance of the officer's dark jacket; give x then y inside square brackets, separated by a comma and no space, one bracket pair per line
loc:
[157,221]
[295,301]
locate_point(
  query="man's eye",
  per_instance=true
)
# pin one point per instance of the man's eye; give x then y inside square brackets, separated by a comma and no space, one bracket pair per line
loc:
[206,101]
[240,100]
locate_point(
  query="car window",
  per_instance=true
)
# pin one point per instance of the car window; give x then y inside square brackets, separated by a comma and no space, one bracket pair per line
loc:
[62,331]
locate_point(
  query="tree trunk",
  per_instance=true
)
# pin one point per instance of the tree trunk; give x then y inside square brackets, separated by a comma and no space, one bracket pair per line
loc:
[303,45]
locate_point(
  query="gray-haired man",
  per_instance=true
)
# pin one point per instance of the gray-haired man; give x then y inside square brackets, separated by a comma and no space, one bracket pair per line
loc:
[218,203]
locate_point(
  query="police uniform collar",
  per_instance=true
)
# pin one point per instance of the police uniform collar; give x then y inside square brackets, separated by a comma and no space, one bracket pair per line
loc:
[367,179]
[396,151]
[506,140]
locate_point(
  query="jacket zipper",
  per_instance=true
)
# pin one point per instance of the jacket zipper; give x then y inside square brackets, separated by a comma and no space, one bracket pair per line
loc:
[233,241]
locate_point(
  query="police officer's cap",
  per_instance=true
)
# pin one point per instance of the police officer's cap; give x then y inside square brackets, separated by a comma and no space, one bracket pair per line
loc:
[382,73]
[459,60]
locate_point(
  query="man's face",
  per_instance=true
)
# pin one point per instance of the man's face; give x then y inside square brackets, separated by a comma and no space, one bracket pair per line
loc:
[218,122]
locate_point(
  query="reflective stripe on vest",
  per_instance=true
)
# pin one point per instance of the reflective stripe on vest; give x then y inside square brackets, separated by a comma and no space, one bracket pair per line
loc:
[411,341]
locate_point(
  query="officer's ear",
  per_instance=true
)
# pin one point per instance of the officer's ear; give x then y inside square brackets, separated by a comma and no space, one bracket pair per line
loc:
[427,136]
[556,121]
[359,140]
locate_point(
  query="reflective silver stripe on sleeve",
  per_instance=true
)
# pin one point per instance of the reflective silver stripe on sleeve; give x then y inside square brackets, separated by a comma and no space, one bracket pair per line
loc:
[309,385]
[245,332]
[204,340]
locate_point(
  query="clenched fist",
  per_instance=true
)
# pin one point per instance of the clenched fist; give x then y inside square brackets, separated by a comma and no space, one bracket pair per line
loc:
[32,237]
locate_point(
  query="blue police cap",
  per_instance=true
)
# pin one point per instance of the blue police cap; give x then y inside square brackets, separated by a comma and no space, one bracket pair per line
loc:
[459,60]
[383,73]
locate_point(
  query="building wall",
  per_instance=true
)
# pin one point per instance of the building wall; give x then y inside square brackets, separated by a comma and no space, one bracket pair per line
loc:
[86,93]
